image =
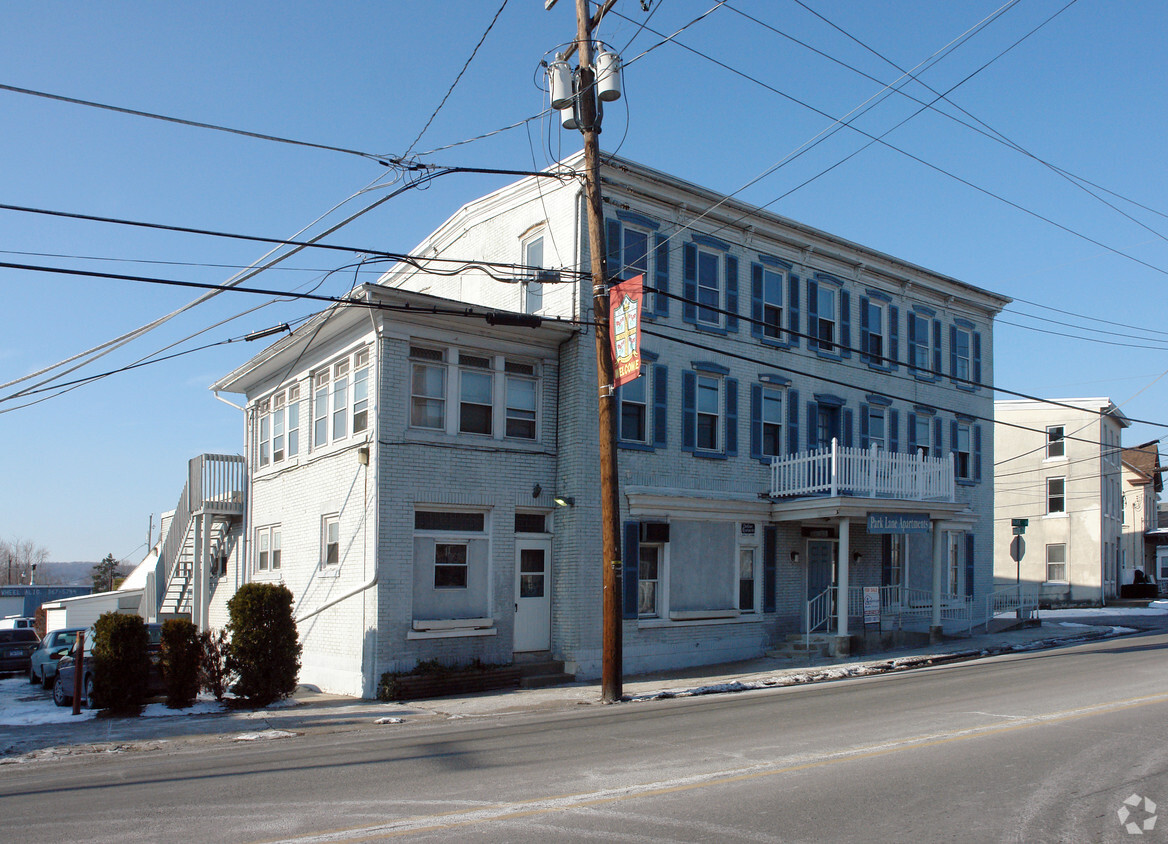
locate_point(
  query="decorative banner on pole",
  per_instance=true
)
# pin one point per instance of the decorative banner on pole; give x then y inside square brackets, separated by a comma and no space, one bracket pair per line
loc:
[624,313]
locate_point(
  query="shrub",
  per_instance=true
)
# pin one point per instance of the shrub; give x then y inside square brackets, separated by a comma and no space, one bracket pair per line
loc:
[180,662]
[213,673]
[121,661]
[264,649]
[41,623]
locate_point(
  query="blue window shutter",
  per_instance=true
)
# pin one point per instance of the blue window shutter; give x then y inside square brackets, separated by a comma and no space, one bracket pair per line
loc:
[969,568]
[864,332]
[689,308]
[731,293]
[812,425]
[756,300]
[886,560]
[731,417]
[660,406]
[632,564]
[847,425]
[812,316]
[894,430]
[976,342]
[756,421]
[953,437]
[911,433]
[937,348]
[893,352]
[689,412]
[793,310]
[613,248]
[938,442]
[661,279]
[864,432]
[977,452]
[953,353]
[770,553]
[845,324]
[792,421]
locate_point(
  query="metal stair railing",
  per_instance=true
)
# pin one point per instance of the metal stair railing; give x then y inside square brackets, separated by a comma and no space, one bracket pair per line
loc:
[819,614]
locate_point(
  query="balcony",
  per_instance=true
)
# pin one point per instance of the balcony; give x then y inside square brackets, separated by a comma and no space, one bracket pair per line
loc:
[863,473]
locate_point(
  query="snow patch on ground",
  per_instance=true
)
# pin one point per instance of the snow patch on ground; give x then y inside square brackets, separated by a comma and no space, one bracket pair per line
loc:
[264,735]
[1153,609]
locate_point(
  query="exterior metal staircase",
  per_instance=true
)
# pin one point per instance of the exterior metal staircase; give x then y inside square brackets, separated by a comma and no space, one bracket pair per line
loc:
[199,538]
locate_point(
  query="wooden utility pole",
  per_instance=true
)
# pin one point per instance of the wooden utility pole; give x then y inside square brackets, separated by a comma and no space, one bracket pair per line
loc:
[611,669]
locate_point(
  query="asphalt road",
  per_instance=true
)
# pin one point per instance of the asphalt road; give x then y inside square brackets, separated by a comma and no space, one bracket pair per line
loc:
[1037,747]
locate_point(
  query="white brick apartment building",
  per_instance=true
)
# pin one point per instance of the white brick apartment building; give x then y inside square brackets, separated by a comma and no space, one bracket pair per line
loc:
[1059,467]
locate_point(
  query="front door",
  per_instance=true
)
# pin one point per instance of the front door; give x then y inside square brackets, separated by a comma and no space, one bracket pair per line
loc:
[820,574]
[533,594]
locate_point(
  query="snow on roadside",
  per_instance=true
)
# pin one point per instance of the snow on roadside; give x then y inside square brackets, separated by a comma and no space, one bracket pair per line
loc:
[23,704]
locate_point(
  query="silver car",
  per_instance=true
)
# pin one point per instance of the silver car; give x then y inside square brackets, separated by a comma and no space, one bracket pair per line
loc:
[57,643]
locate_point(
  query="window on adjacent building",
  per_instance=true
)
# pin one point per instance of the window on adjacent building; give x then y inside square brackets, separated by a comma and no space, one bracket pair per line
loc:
[1056,495]
[825,323]
[533,286]
[919,343]
[874,344]
[1055,443]
[877,432]
[772,303]
[961,353]
[709,403]
[771,419]
[450,565]
[962,448]
[635,261]
[897,548]
[268,548]
[922,425]
[1056,563]
[709,287]
[330,540]
[634,411]
[746,579]
[649,580]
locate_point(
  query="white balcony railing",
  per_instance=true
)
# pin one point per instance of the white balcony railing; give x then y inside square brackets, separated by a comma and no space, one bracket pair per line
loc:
[868,473]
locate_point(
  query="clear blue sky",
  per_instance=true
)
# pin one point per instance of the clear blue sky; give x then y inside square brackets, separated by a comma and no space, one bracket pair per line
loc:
[81,472]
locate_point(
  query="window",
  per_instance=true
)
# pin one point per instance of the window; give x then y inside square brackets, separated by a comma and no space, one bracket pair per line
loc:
[520,385]
[876,428]
[918,340]
[1055,443]
[427,388]
[433,520]
[1056,563]
[961,355]
[476,394]
[634,413]
[330,540]
[921,424]
[533,286]
[772,303]
[709,402]
[874,331]
[268,548]
[771,419]
[530,523]
[897,548]
[961,448]
[746,578]
[649,580]
[635,261]
[340,399]
[709,288]
[825,323]
[1056,495]
[450,565]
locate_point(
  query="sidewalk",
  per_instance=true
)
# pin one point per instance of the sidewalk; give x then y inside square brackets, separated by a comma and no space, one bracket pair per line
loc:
[310,711]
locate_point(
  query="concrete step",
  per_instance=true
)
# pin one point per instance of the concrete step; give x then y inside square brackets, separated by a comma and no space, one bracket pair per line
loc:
[537,669]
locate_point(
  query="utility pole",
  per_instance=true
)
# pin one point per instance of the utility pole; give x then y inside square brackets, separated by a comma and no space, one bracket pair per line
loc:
[611,668]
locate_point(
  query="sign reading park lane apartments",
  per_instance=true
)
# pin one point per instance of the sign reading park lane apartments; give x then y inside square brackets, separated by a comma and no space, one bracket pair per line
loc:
[898,523]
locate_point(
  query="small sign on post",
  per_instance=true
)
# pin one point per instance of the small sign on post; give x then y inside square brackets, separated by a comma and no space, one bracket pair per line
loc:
[871,605]
[1019,526]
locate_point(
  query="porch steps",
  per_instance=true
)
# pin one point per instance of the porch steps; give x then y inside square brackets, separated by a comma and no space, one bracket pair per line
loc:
[538,670]
[798,647]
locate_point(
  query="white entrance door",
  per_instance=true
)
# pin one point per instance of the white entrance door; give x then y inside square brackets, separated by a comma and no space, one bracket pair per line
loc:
[533,594]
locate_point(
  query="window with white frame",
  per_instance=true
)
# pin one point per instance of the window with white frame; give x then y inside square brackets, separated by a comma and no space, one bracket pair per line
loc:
[649,572]
[427,388]
[450,566]
[475,394]
[521,396]
[919,343]
[1056,495]
[635,261]
[955,564]
[874,345]
[268,541]
[634,411]
[897,550]
[1056,563]
[709,412]
[922,431]
[1055,442]
[826,317]
[773,282]
[340,399]
[962,448]
[961,353]
[747,578]
[330,540]
[877,431]
[279,426]
[771,419]
[533,286]
[709,278]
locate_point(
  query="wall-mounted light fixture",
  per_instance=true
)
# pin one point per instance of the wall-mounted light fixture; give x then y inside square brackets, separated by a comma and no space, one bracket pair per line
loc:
[795,557]
[363,455]
[565,501]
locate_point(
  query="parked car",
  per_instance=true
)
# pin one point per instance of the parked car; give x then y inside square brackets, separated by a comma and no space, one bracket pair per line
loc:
[17,622]
[63,685]
[43,662]
[15,648]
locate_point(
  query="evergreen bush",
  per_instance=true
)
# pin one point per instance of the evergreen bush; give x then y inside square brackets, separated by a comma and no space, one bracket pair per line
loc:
[213,674]
[121,661]
[180,662]
[264,650]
